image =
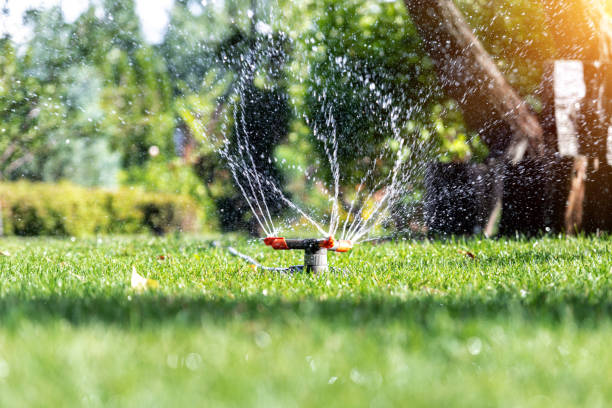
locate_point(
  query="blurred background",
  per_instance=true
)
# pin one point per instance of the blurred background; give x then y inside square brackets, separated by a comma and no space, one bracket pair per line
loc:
[112,112]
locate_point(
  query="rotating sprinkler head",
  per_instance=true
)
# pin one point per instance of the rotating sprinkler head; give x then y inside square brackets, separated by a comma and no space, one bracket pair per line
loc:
[315,249]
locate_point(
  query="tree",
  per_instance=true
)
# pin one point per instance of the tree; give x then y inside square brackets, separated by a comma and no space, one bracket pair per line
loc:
[363,63]
[186,47]
[466,72]
[136,92]
[28,116]
[248,65]
[137,100]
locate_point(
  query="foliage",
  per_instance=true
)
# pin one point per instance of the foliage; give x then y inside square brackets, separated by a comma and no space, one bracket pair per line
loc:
[248,65]
[83,161]
[28,120]
[514,32]
[93,83]
[397,324]
[64,209]
[138,105]
[370,80]
[173,177]
[186,47]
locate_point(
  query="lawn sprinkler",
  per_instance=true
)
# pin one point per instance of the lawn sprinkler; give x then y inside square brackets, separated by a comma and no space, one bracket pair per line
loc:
[315,250]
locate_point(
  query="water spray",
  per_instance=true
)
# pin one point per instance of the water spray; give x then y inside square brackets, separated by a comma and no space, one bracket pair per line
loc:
[315,249]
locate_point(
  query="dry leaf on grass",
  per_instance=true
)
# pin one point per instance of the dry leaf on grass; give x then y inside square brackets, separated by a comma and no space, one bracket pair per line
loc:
[5,253]
[432,291]
[467,253]
[140,283]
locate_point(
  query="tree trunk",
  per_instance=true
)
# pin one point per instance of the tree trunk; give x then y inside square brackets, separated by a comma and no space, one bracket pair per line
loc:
[575,199]
[468,74]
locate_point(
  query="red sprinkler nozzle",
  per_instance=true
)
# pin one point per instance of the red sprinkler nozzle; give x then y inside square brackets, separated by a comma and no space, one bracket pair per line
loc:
[276,242]
[343,245]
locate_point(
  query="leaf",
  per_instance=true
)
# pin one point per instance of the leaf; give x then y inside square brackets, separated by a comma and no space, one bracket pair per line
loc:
[432,291]
[467,253]
[5,253]
[140,283]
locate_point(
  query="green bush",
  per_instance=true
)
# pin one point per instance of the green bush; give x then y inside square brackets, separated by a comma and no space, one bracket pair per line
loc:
[65,209]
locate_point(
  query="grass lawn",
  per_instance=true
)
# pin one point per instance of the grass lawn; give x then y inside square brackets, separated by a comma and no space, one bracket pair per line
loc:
[523,323]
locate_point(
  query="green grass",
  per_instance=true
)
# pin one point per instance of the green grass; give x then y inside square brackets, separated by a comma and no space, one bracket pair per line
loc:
[525,323]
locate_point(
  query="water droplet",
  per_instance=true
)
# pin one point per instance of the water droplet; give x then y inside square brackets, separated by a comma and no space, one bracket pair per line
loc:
[193,361]
[474,346]
[262,339]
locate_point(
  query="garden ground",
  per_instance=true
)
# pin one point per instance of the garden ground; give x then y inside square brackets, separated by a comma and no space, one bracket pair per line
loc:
[455,323]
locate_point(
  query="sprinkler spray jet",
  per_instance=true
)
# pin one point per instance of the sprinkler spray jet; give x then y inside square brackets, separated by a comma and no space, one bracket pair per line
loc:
[315,250]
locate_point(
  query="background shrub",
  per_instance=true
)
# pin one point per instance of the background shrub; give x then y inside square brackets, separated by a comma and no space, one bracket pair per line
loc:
[65,209]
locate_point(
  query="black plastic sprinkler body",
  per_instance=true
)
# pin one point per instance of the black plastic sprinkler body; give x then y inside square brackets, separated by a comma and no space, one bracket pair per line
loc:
[315,250]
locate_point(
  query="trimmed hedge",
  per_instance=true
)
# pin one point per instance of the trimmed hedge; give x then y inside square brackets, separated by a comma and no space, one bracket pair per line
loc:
[67,210]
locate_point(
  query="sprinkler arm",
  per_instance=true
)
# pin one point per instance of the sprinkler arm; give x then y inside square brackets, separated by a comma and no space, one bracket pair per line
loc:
[309,244]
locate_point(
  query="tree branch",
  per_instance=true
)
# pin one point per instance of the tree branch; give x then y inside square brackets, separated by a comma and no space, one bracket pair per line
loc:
[468,74]
[28,157]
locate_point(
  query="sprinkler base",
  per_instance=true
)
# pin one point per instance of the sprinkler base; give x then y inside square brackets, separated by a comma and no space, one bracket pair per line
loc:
[315,260]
